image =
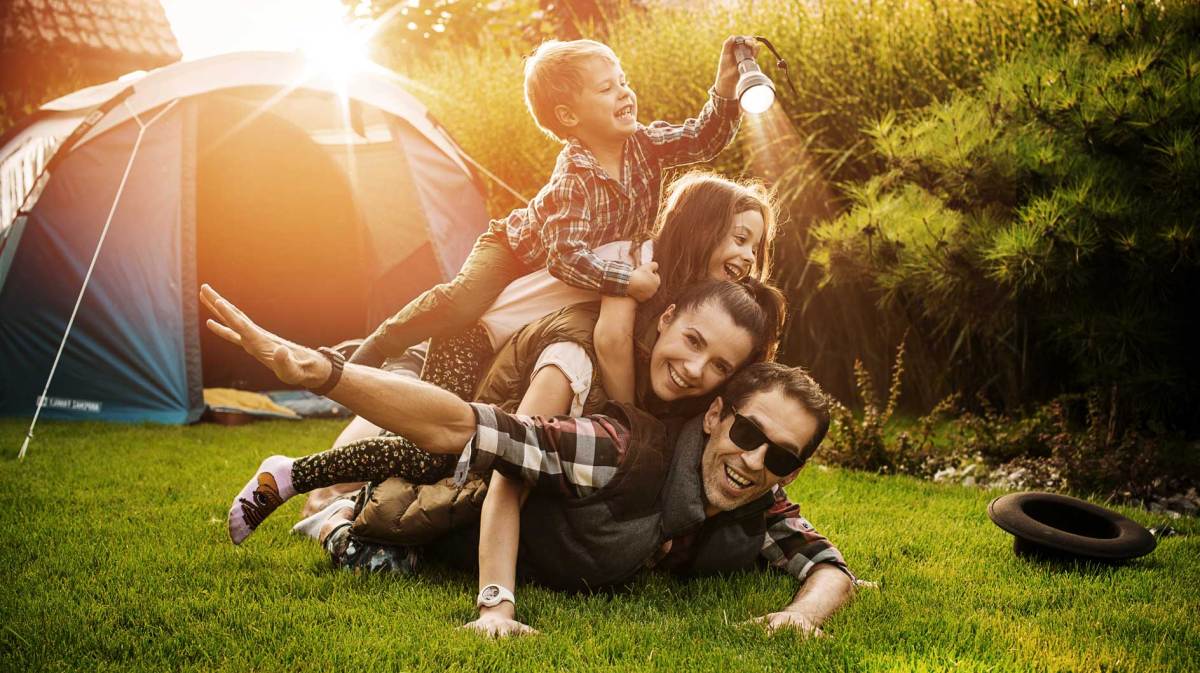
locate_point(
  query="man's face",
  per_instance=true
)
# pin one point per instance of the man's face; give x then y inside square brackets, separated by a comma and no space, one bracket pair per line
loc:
[606,109]
[733,477]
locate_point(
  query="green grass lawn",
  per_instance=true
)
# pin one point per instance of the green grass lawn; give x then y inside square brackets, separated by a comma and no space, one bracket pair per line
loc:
[115,557]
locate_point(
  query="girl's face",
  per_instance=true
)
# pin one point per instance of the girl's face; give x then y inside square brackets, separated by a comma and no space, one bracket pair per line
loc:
[735,256]
[696,351]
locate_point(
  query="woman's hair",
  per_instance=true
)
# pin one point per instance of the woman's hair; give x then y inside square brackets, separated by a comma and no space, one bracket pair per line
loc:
[699,211]
[756,307]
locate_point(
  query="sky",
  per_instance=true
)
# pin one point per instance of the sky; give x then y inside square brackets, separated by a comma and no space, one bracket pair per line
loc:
[208,27]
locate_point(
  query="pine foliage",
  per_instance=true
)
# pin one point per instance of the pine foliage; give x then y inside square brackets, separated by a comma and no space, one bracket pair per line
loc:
[1041,232]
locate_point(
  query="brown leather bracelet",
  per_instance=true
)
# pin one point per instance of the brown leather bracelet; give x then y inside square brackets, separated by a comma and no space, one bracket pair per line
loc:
[338,362]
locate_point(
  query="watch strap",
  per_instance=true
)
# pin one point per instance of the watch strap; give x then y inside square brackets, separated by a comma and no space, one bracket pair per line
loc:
[338,362]
[492,595]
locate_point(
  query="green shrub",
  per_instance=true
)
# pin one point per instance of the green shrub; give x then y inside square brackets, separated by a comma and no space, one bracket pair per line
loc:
[868,439]
[1077,443]
[850,61]
[1040,233]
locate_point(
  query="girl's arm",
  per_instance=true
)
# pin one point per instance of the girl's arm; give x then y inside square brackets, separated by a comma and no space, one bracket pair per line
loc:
[549,394]
[613,339]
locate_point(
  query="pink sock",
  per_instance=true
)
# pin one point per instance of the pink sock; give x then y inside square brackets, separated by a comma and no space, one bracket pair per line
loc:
[270,487]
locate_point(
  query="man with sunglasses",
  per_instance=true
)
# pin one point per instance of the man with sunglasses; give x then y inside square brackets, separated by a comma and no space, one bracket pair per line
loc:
[614,493]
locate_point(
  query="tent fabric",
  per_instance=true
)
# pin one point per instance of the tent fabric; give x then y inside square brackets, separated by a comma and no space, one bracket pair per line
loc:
[321,215]
[122,363]
[372,84]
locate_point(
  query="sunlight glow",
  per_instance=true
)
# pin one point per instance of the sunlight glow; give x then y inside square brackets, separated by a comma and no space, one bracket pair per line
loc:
[209,27]
[325,32]
[780,156]
[340,49]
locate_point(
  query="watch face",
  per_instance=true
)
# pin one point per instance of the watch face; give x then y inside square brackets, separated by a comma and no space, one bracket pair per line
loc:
[489,594]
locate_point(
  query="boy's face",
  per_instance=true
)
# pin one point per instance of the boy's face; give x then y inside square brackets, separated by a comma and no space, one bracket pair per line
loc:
[606,109]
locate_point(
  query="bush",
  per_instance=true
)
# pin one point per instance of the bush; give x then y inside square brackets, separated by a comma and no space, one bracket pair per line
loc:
[862,440]
[850,61]
[1076,443]
[1040,233]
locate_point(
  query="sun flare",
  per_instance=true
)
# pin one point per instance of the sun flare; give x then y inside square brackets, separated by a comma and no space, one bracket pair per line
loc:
[325,31]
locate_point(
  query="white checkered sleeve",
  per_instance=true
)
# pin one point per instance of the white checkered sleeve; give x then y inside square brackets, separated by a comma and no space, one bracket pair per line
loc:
[573,457]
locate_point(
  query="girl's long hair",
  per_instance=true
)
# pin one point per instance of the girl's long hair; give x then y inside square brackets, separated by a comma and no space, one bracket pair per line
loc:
[695,220]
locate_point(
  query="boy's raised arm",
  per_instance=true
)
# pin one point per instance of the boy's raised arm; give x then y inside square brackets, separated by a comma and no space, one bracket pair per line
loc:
[702,138]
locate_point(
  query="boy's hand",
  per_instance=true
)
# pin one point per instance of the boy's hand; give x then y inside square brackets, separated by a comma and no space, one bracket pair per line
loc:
[727,70]
[643,282]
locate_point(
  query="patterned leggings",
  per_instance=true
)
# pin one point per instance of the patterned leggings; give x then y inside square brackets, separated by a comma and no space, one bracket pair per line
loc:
[455,364]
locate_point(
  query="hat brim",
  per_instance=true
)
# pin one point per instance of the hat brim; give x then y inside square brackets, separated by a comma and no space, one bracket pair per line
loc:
[1069,526]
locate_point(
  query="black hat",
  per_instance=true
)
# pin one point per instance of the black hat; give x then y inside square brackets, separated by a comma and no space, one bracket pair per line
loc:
[1059,526]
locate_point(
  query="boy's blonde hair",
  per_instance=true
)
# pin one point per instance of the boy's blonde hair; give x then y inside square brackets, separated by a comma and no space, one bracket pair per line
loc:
[554,75]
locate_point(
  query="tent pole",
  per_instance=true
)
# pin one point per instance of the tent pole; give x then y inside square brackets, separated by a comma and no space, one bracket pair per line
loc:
[41,401]
[88,123]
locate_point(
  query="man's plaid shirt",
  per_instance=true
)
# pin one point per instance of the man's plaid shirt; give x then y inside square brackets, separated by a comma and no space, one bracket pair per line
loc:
[576,457]
[582,207]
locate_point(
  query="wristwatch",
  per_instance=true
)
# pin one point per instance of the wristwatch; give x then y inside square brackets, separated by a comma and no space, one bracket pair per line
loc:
[492,595]
[337,362]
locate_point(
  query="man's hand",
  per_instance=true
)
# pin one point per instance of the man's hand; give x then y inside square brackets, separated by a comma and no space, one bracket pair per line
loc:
[643,282]
[291,363]
[498,622]
[824,591]
[727,70]
[790,620]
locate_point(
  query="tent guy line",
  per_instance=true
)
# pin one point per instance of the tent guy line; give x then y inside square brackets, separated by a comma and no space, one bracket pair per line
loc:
[137,144]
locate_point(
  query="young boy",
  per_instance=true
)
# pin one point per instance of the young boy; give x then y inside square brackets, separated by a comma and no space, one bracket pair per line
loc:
[605,187]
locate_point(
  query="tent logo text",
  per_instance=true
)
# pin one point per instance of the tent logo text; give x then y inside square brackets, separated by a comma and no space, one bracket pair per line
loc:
[72,405]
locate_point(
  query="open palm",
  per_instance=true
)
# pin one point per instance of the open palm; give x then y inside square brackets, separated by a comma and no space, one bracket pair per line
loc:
[291,363]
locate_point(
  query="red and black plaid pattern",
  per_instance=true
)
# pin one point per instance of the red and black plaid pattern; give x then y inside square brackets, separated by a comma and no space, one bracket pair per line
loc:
[793,545]
[582,207]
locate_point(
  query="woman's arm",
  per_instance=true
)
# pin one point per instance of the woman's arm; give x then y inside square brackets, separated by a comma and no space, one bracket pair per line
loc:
[613,339]
[549,394]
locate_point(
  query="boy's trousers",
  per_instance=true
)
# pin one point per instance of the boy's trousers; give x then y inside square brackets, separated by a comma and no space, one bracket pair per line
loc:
[453,307]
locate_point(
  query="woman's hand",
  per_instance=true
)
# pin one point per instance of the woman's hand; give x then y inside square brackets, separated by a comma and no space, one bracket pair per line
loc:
[291,363]
[498,622]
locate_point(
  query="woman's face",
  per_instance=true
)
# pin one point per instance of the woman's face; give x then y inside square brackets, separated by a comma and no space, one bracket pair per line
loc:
[696,351]
[735,256]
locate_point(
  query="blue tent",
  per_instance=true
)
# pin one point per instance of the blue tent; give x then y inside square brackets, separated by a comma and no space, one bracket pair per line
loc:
[320,205]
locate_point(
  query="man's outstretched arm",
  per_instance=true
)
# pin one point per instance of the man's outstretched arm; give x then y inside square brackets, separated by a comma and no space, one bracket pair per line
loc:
[792,545]
[434,419]
[825,590]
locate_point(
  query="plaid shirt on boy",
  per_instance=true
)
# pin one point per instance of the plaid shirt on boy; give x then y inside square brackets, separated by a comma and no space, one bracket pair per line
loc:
[576,457]
[583,207]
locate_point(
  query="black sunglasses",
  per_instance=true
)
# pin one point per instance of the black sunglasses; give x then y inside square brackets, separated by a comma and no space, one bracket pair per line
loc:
[747,436]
